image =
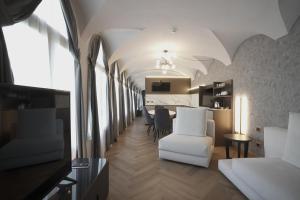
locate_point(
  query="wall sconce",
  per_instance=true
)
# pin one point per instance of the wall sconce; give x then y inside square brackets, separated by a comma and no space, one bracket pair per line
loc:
[241,114]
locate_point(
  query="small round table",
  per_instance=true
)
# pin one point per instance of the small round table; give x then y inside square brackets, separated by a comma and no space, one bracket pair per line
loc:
[239,138]
[171,113]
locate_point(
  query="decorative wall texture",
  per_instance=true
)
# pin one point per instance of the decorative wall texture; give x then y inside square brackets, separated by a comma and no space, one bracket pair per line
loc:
[268,73]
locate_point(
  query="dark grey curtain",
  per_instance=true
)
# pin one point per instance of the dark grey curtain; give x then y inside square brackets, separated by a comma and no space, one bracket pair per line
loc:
[132,101]
[114,133]
[129,117]
[138,94]
[122,102]
[12,12]
[6,75]
[93,121]
[140,107]
[127,101]
[73,43]
[135,101]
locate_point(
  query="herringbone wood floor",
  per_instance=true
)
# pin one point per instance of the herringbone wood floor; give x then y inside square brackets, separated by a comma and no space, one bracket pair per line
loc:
[136,172]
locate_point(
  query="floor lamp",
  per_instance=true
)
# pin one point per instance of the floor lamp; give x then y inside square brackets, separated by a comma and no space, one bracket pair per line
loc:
[241,114]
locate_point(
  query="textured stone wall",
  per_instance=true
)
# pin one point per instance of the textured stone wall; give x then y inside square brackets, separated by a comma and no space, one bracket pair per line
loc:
[268,73]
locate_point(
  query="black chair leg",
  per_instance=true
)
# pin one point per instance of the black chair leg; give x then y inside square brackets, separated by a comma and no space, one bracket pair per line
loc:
[166,132]
[155,134]
[148,130]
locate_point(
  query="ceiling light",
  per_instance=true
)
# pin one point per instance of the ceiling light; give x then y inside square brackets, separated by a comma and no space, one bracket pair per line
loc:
[165,62]
[157,64]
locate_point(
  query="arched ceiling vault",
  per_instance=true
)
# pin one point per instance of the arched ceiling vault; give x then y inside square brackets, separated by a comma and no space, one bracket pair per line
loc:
[149,60]
[180,71]
[153,41]
[197,31]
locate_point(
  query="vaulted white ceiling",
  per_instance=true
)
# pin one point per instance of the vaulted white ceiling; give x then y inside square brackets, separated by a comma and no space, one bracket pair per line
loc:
[197,31]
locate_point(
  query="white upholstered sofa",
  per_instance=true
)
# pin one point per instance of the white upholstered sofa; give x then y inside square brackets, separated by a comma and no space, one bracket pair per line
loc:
[192,140]
[275,177]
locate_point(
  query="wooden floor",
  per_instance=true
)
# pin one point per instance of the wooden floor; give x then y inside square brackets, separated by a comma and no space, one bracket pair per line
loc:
[136,172]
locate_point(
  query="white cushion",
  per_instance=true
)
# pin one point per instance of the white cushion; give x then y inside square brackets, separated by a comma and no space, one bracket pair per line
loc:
[190,145]
[271,178]
[292,148]
[274,141]
[191,121]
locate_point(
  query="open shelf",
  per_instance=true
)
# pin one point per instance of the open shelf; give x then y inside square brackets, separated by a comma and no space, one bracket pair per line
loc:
[210,94]
[223,96]
[222,115]
[219,87]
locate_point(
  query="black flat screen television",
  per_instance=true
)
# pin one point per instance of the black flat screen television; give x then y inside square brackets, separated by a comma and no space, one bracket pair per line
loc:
[35,140]
[161,86]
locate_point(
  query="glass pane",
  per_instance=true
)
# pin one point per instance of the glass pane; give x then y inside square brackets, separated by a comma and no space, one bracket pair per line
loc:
[100,58]
[29,55]
[50,12]
[63,78]
[39,60]
[63,69]
[102,100]
[125,103]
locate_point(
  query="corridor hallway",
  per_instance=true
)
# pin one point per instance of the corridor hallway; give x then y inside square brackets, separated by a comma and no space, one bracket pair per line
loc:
[136,172]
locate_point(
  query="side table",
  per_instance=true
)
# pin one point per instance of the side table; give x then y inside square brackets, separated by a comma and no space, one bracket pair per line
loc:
[240,139]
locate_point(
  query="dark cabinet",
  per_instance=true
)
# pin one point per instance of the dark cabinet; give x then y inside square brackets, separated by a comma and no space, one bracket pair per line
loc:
[92,183]
[219,97]
[223,124]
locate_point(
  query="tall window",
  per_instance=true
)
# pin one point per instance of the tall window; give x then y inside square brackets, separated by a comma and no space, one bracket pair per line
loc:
[102,98]
[28,53]
[125,102]
[39,54]
[117,85]
[133,103]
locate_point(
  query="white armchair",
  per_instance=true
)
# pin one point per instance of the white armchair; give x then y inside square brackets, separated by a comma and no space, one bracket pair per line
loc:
[192,140]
